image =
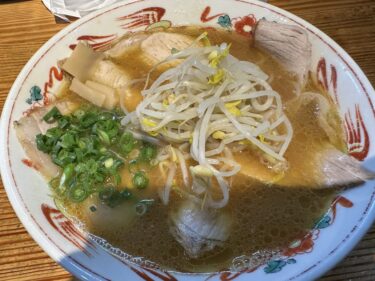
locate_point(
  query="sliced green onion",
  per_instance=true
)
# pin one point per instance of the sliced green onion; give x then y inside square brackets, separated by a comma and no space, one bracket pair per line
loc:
[91,166]
[148,153]
[140,209]
[108,163]
[54,183]
[60,190]
[116,178]
[117,163]
[103,136]
[106,115]
[68,140]
[127,142]
[54,133]
[77,193]
[79,113]
[52,115]
[63,122]
[126,194]
[140,180]
[88,119]
[67,174]
[142,206]
[41,143]
[110,127]
[64,157]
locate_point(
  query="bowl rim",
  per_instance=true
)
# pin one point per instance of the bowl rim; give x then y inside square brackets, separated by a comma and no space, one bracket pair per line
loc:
[77,269]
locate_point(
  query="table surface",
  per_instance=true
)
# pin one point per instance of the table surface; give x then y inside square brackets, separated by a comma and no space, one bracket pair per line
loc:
[27,25]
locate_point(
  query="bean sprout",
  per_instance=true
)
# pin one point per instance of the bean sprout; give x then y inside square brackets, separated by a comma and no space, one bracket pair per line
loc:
[210,101]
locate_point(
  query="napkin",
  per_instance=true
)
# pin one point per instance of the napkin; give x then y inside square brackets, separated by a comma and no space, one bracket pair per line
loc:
[77,8]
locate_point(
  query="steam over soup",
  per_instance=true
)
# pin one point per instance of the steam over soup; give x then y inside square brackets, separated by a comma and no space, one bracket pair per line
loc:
[191,148]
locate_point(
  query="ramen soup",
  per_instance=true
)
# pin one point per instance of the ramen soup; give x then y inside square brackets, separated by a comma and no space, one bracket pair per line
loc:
[188,148]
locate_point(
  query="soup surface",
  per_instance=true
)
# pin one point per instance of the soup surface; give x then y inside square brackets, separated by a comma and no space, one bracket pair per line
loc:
[265,217]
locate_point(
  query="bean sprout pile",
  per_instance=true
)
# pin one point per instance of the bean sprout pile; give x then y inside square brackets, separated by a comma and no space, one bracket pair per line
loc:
[206,107]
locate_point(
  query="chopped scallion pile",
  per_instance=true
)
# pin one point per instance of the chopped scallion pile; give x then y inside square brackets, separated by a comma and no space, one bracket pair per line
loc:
[91,147]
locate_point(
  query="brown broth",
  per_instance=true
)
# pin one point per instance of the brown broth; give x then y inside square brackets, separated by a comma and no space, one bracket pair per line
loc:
[265,217]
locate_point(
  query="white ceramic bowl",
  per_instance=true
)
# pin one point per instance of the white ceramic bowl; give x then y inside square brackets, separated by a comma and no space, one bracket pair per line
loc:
[350,216]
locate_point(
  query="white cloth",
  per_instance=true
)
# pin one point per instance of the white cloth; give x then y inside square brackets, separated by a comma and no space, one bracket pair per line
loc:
[75,8]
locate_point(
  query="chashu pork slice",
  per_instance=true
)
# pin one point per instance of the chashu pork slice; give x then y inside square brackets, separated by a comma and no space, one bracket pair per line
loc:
[154,48]
[124,44]
[324,166]
[26,130]
[288,44]
[65,107]
[329,168]
[158,46]
[199,230]
[33,124]
[110,74]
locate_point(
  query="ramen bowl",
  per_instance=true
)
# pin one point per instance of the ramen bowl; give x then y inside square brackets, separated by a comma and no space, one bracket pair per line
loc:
[349,217]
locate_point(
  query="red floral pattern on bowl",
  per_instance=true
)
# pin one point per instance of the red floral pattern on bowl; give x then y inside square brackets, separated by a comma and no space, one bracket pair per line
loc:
[244,25]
